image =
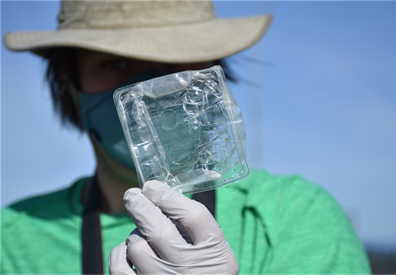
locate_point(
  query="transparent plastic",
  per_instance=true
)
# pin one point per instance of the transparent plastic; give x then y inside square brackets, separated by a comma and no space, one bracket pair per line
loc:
[184,129]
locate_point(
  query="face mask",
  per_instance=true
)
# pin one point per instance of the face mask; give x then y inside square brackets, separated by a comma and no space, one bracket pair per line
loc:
[100,119]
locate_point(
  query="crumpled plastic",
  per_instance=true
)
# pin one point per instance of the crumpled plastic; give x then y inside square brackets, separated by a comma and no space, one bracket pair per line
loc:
[184,129]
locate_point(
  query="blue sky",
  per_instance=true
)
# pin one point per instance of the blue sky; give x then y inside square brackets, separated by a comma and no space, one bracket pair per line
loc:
[324,106]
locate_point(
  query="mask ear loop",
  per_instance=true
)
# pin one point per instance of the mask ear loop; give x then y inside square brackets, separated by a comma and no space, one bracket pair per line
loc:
[67,91]
[69,88]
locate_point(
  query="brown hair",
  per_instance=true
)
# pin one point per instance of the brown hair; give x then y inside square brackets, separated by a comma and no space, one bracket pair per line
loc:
[62,71]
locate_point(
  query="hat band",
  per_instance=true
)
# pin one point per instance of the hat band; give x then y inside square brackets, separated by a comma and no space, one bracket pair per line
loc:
[125,14]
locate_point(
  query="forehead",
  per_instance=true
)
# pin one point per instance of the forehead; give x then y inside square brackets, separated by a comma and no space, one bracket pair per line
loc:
[93,54]
[89,55]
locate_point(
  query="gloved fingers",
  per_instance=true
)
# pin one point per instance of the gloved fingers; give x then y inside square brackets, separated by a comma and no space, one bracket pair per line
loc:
[143,257]
[157,229]
[183,232]
[193,216]
[119,262]
[206,259]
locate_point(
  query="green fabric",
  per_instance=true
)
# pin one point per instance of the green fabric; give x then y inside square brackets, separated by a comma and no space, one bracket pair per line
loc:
[273,224]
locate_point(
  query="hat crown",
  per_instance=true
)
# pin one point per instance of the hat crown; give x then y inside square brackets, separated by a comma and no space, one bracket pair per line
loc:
[93,14]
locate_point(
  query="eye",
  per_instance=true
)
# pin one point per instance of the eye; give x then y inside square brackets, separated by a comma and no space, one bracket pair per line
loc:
[116,65]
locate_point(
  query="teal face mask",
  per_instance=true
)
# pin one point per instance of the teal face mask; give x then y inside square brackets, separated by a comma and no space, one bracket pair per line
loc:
[101,122]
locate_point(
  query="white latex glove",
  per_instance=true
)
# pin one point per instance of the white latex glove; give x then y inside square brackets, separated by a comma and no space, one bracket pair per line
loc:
[156,245]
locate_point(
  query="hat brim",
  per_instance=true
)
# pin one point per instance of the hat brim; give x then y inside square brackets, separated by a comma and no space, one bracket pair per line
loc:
[185,43]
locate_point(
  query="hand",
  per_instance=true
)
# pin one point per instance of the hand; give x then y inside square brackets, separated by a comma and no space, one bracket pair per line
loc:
[157,246]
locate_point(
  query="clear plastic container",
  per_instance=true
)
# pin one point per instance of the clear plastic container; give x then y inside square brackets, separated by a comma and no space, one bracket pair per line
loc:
[184,129]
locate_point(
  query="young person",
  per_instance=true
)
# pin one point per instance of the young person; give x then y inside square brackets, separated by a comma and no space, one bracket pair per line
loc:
[268,224]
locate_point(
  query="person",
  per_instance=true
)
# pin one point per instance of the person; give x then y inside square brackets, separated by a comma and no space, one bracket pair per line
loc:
[264,224]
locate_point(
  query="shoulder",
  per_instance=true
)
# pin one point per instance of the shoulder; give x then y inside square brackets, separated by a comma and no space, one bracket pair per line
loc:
[305,226]
[46,228]
[48,206]
[262,186]
[285,200]
[289,198]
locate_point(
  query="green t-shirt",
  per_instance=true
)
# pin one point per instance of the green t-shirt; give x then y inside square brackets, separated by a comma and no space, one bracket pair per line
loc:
[273,224]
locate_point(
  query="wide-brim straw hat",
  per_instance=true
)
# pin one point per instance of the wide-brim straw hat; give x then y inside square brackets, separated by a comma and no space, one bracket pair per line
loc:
[155,30]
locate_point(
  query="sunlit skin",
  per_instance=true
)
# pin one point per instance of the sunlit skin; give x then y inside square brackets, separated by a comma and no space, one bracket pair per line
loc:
[100,72]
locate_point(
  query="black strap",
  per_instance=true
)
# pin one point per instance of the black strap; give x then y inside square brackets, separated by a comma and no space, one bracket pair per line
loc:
[92,257]
[208,199]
